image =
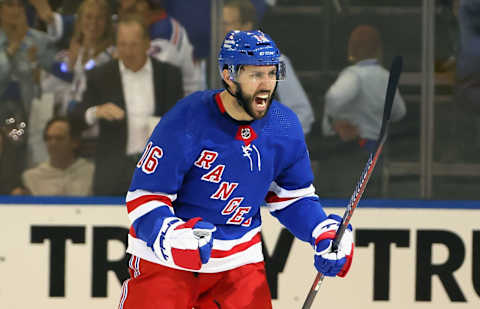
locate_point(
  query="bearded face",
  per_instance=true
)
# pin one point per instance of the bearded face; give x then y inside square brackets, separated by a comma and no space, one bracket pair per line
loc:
[256,87]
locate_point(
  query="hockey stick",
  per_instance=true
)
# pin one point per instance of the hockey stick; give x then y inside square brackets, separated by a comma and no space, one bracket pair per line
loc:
[395,71]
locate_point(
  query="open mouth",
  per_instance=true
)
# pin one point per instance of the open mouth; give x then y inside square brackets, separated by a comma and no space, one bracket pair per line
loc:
[261,102]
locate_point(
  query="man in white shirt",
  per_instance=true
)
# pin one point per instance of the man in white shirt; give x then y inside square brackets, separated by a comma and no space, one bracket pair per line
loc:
[125,97]
[354,103]
[353,114]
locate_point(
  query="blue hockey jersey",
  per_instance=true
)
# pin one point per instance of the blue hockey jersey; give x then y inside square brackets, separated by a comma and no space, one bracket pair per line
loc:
[199,162]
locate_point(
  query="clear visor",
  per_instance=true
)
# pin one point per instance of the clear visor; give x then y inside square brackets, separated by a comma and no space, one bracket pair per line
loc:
[256,76]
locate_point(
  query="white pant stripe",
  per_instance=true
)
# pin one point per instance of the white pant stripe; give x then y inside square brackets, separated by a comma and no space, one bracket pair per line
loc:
[124,294]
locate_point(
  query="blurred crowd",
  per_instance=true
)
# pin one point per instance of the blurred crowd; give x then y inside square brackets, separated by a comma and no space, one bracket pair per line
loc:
[84,82]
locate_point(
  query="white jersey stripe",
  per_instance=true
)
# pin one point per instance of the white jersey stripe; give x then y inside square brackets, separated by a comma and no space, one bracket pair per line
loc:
[282,193]
[225,245]
[146,208]
[279,198]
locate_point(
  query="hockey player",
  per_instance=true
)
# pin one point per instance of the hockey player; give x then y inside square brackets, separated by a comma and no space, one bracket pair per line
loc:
[194,201]
[242,15]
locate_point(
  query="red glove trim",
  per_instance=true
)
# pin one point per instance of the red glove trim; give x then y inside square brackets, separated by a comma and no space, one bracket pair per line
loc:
[325,235]
[189,224]
[189,259]
[343,272]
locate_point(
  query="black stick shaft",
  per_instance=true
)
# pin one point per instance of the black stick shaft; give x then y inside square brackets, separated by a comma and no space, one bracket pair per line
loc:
[395,71]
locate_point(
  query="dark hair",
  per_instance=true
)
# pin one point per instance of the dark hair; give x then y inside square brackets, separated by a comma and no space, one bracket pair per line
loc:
[133,18]
[365,43]
[247,11]
[74,130]
[21,2]
[156,4]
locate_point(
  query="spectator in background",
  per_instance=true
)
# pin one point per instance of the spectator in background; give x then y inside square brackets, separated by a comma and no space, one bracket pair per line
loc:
[59,24]
[241,15]
[445,58]
[127,7]
[353,113]
[354,103]
[468,60]
[169,41]
[126,97]
[22,51]
[91,45]
[466,125]
[194,15]
[64,174]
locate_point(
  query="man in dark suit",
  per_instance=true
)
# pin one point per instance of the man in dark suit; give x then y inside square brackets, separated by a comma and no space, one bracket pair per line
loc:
[123,97]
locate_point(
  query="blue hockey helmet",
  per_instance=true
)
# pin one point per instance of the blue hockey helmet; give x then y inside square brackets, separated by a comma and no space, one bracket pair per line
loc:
[249,48]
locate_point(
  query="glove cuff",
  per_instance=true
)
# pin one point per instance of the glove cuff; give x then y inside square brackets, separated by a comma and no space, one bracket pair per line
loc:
[330,224]
[159,247]
[189,224]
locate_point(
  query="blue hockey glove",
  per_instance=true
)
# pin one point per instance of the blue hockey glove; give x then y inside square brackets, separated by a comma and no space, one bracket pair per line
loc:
[333,263]
[185,244]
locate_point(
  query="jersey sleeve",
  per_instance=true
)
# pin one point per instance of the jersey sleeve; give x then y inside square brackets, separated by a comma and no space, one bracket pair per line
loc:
[158,177]
[291,197]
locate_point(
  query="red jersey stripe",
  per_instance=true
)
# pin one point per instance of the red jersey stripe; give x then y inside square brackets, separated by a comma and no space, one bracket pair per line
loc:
[220,103]
[133,204]
[240,247]
[273,198]
[132,231]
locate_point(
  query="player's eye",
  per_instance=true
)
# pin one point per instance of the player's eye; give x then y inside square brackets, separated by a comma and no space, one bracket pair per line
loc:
[272,75]
[257,75]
